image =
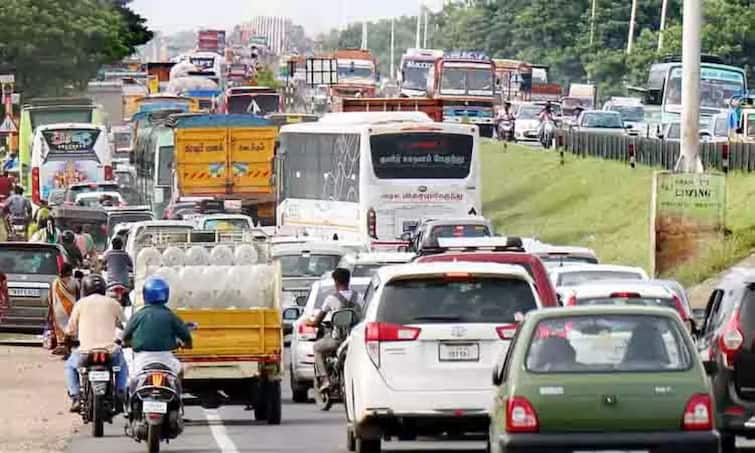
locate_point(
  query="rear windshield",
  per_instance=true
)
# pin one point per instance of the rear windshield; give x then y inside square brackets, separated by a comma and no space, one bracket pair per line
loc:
[467,300]
[19,260]
[421,155]
[642,301]
[578,278]
[106,187]
[607,343]
[323,294]
[558,260]
[125,179]
[258,104]
[226,225]
[307,266]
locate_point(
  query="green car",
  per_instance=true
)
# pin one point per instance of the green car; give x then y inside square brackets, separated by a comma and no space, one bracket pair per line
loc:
[599,379]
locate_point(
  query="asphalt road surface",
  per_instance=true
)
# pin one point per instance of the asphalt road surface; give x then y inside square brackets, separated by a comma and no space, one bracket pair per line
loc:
[231,429]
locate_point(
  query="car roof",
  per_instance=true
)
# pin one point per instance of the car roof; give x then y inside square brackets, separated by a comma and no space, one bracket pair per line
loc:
[597,310]
[93,184]
[223,216]
[579,267]
[744,275]
[549,249]
[469,220]
[159,223]
[379,257]
[388,273]
[69,126]
[506,257]
[604,288]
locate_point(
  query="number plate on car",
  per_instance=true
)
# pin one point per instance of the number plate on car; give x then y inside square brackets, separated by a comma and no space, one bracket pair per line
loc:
[154,407]
[459,352]
[23,292]
[99,376]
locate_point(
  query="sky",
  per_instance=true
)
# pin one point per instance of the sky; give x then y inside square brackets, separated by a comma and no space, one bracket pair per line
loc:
[170,16]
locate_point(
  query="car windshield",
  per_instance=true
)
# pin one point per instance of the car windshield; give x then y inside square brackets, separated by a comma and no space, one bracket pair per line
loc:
[326,291]
[750,125]
[21,260]
[355,72]
[580,277]
[456,231]
[310,265]
[466,81]
[130,217]
[602,120]
[462,299]
[227,224]
[125,179]
[607,343]
[630,112]
[721,127]
[528,113]
[558,260]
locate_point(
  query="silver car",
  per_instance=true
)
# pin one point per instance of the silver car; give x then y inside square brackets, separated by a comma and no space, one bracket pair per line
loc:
[601,122]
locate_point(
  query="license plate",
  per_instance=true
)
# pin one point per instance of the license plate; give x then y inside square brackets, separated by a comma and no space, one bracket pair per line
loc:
[24,292]
[458,352]
[99,376]
[154,407]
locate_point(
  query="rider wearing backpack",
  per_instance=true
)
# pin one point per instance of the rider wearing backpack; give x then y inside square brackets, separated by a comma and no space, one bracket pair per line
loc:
[344,298]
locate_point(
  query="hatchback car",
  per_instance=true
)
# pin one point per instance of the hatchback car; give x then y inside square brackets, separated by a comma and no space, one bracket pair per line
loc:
[418,363]
[303,336]
[726,337]
[592,379]
[425,238]
[302,264]
[576,274]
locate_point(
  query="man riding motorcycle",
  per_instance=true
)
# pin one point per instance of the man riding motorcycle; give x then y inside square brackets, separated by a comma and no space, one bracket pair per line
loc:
[343,298]
[94,321]
[505,122]
[19,208]
[545,116]
[153,331]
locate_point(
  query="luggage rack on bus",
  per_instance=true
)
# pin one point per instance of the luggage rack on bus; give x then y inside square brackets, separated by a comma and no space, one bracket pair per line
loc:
[477,244]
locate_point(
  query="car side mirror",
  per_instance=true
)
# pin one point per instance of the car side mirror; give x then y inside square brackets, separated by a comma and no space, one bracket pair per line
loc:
[711,367]
[292,314]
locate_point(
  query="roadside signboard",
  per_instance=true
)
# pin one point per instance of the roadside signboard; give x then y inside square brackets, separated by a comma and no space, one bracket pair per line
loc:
[7,79]
[688,215]
[321,71]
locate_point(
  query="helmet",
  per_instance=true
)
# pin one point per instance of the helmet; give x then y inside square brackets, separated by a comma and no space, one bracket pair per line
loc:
[156,291]
[93,284]
[68,237]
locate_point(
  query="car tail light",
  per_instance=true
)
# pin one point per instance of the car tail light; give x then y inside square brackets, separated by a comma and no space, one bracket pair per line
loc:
[571,301]
[521,416]
[372,223]
[698,414]
[679,306]
[625,295]
[108,173]
[506,331]
[731,340]
[377,332]
[35,195]
[307,332]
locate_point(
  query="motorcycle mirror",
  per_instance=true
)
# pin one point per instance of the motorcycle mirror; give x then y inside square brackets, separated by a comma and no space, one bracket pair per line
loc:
[192,326]
[343,318]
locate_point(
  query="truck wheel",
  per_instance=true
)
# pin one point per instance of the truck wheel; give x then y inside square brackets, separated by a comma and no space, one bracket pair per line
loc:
[273,396]
[368,445]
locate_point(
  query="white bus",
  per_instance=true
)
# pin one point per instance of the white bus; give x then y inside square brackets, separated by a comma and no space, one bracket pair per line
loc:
[374,176]
[65,154]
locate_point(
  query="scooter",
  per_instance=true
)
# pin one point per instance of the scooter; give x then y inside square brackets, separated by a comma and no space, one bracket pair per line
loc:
[18,228]
[154,408]
[99,402]
[505,130]
[549,131]
[341,323]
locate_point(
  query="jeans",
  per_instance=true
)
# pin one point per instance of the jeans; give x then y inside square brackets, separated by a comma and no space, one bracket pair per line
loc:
[72,372]
[323,348]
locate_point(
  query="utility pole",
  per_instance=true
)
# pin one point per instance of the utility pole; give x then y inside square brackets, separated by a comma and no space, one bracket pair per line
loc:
[424,39]
[664,5]
[592,22]
[364,35]
[692,18]
[419,25]
[632,19]
[393,43]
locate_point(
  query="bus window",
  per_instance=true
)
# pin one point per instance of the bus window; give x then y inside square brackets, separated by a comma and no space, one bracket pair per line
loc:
[165,166]
[423,155]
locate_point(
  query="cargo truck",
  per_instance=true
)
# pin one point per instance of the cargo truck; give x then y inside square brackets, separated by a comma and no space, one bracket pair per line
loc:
[433,107]
[227,157]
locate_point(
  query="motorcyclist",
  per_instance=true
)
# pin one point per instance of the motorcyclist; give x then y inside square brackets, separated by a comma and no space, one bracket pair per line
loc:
[505,115]
[343,298]
[545,116]
[94,321]
[19,208]
[153,331]
[118,263]
[68,240]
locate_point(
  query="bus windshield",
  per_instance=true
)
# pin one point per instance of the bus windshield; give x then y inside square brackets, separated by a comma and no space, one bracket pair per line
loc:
[467,81]
[421,155]
[717,86]
[415,75]
[70,143]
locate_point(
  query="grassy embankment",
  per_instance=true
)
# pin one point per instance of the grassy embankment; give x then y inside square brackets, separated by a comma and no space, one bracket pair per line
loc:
[601,204]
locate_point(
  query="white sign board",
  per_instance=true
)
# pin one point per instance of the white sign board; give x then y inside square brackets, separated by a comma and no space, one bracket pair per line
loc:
[321,71]
[7,79]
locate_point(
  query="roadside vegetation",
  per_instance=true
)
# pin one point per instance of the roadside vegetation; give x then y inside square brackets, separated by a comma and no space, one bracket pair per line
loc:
[604,205]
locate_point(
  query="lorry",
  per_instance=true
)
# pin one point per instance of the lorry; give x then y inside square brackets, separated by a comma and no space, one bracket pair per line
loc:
[211,41]
[109,95]
[227,157]
[587,94]
[256,100]
[433,107]
[160,71]
[226,288]
[357,73]
[522,81]
[465,83]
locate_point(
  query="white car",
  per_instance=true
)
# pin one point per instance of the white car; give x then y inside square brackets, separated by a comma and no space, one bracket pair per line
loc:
[527,122]
[303,336]
[561,255]
[420,361]
[577,274]
[141,233]
[366,264]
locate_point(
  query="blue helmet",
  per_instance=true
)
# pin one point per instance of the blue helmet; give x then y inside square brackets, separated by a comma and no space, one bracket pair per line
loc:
[156,291]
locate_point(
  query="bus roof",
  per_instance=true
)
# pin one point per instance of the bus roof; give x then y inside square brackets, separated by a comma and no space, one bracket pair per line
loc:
[60,102]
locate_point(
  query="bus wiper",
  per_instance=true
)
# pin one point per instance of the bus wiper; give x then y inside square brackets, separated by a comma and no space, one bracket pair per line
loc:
[438,318]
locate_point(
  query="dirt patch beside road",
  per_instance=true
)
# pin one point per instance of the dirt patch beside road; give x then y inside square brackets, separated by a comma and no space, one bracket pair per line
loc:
[33,403]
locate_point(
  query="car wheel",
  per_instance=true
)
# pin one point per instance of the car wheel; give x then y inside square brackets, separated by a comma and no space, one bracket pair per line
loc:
[368,445]
[728,443]
[351,440]
[300,393]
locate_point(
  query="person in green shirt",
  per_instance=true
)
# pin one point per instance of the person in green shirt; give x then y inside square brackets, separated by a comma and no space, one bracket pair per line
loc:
[155,331]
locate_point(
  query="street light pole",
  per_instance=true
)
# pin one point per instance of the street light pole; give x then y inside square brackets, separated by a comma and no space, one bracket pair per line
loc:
[689,159]
[592,22]
[632,19]
[664,5]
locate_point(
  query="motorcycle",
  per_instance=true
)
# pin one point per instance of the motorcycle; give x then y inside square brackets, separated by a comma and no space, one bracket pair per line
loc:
[505,130]
[154,408]
[99,402]
[18,228]
[341,323]
[547,134]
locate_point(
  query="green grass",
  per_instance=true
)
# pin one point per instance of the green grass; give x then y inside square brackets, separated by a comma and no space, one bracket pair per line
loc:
[601,204]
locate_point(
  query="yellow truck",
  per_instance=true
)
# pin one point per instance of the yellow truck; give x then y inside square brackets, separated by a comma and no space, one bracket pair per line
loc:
[226,285]
[228,157]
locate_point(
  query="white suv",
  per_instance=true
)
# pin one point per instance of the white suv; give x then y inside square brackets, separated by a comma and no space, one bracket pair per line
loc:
[420,362]
[303,336]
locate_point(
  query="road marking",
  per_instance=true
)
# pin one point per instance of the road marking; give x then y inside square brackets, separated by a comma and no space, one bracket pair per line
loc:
[219,432]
